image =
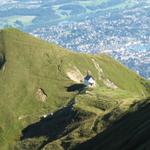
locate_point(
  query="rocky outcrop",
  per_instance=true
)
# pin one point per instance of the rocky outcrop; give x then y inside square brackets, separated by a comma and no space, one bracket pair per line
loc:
[75,74]
[2,61]
[41,95]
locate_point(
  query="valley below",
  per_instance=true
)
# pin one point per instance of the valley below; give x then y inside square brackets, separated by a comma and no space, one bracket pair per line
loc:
[119,28]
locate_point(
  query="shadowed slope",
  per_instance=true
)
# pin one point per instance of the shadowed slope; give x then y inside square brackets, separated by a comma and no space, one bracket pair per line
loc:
[131,132]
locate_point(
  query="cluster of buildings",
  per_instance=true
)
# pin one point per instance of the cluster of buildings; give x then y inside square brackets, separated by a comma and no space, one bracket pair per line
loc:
[124,34]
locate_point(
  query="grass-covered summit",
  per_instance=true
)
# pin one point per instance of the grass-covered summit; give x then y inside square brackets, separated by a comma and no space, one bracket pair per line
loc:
[41,79]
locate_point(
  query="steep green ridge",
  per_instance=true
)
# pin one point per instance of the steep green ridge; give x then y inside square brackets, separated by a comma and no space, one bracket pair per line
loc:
[28,64]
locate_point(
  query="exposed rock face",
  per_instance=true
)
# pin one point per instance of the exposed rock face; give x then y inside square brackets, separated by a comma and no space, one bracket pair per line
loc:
[101,75]
[75,74]
[110,84]
[41,95]
[98,68]
[22,117]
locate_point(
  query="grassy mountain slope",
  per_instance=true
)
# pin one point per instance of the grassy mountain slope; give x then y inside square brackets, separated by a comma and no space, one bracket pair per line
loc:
[28,64]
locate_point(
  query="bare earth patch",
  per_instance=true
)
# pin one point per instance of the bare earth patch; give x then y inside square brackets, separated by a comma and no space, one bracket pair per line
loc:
[101,75]
[75,74]
[41,95]
[110,84]
[100,70]
[22,117]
